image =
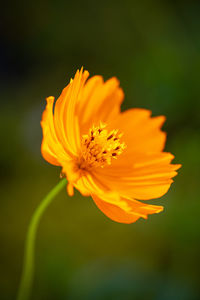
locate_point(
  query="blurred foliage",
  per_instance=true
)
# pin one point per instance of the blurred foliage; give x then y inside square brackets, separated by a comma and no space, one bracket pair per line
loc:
[153,48]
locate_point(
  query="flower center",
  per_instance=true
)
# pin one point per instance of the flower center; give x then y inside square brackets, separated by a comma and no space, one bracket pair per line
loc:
[100,146]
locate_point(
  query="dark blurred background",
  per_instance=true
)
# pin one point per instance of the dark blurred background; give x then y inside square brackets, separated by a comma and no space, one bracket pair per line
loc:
[153,47]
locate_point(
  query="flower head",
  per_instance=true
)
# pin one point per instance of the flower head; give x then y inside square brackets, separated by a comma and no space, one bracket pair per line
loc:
[116,157]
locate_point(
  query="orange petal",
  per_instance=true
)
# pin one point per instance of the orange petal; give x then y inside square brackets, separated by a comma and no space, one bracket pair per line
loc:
[100,101]
[132,213]
[117,208]
[144,177]
[66,118]
[141,132]
[87,185]
[51,148]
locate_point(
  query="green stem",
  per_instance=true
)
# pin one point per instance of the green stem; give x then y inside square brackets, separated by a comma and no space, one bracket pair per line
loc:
[28,264]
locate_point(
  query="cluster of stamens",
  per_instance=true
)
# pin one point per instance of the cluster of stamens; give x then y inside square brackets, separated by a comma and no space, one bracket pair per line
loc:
[100,146]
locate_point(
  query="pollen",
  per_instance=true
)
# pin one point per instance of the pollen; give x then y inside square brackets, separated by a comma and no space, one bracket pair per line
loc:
[100,146]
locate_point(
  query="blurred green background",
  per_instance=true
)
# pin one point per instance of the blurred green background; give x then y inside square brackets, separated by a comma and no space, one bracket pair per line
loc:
[153,47]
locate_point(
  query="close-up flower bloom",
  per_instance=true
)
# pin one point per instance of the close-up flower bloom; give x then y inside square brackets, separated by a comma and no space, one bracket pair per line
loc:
[115,157]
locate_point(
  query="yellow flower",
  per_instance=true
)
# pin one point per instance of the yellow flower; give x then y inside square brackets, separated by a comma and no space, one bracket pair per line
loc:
[116,157]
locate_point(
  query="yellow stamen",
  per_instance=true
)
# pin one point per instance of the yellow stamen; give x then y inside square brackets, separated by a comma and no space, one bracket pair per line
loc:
[100,146]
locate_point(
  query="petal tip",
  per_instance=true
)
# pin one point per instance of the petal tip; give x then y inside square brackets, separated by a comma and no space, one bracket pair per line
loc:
[50,99]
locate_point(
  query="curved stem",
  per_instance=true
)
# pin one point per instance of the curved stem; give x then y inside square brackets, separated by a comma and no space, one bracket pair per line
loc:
[28,264]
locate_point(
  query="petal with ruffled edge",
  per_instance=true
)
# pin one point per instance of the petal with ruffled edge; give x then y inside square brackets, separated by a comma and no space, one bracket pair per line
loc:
[51,148]
[61,133]
[66,118]
[100,102]
[141,132]
[143,177]
[130,214]
[116,207]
